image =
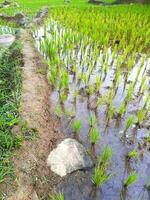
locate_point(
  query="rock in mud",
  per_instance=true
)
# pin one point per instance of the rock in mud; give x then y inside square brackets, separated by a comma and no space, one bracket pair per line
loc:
[35,196]
[68,157]
[6,40]
[20,19]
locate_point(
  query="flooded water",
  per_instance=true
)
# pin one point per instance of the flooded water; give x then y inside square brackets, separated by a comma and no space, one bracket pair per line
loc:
[7,37]
[78,185]
[6,40]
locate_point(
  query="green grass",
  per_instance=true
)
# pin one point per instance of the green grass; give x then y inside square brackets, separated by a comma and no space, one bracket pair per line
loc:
[31,7]
[10,88]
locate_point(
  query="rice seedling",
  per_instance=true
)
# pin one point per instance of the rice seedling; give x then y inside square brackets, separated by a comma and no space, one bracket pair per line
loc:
[91,89]
[129,93]
[70,113]
[147,100]
[138,72]
[94,135]
[131,179]
[111,111]
[85,78]
[104,159]
[58,196]
[58,111]
[129,123]
[143,82]
[98,83]
[110,96]
[140,116]
[122,109]
[92,120]
[147,139]
[100,176]
[76,126]
[51,79]
[100,101]
[63,97]
[76,94]
[133,154]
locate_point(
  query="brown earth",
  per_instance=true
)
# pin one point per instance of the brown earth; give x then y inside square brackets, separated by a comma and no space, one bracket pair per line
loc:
[33,175]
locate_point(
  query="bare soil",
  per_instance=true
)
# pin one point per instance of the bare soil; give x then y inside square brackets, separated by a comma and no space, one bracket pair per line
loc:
[34,178]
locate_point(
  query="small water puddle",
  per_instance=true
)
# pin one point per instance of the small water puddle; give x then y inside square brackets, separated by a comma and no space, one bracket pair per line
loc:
[6,40]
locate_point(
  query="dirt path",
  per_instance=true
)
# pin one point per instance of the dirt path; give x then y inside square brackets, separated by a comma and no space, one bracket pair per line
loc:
[33,176]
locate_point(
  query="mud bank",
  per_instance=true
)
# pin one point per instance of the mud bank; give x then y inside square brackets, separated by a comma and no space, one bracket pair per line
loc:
[30,161]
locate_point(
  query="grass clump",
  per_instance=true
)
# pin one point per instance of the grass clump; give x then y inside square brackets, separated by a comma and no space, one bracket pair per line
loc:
[10,87]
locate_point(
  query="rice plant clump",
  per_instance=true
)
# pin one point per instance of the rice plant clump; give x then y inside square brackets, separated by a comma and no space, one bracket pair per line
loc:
[58,196]
[133,154]
[131,179]
[101,175]
[76,126]
[129,123]
[94,135]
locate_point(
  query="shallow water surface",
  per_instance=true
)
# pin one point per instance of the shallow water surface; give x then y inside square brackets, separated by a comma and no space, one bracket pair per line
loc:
[78,185]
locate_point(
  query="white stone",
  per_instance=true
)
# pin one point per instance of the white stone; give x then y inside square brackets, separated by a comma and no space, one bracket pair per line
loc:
[68,156]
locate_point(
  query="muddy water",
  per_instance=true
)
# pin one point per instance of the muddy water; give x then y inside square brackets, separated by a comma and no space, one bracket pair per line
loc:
[7,37]
[6,40]
[78,185]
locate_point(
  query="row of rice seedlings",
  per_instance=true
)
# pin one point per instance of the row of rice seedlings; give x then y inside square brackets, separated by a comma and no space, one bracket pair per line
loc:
[121,36]
[74,54]
[60,77]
